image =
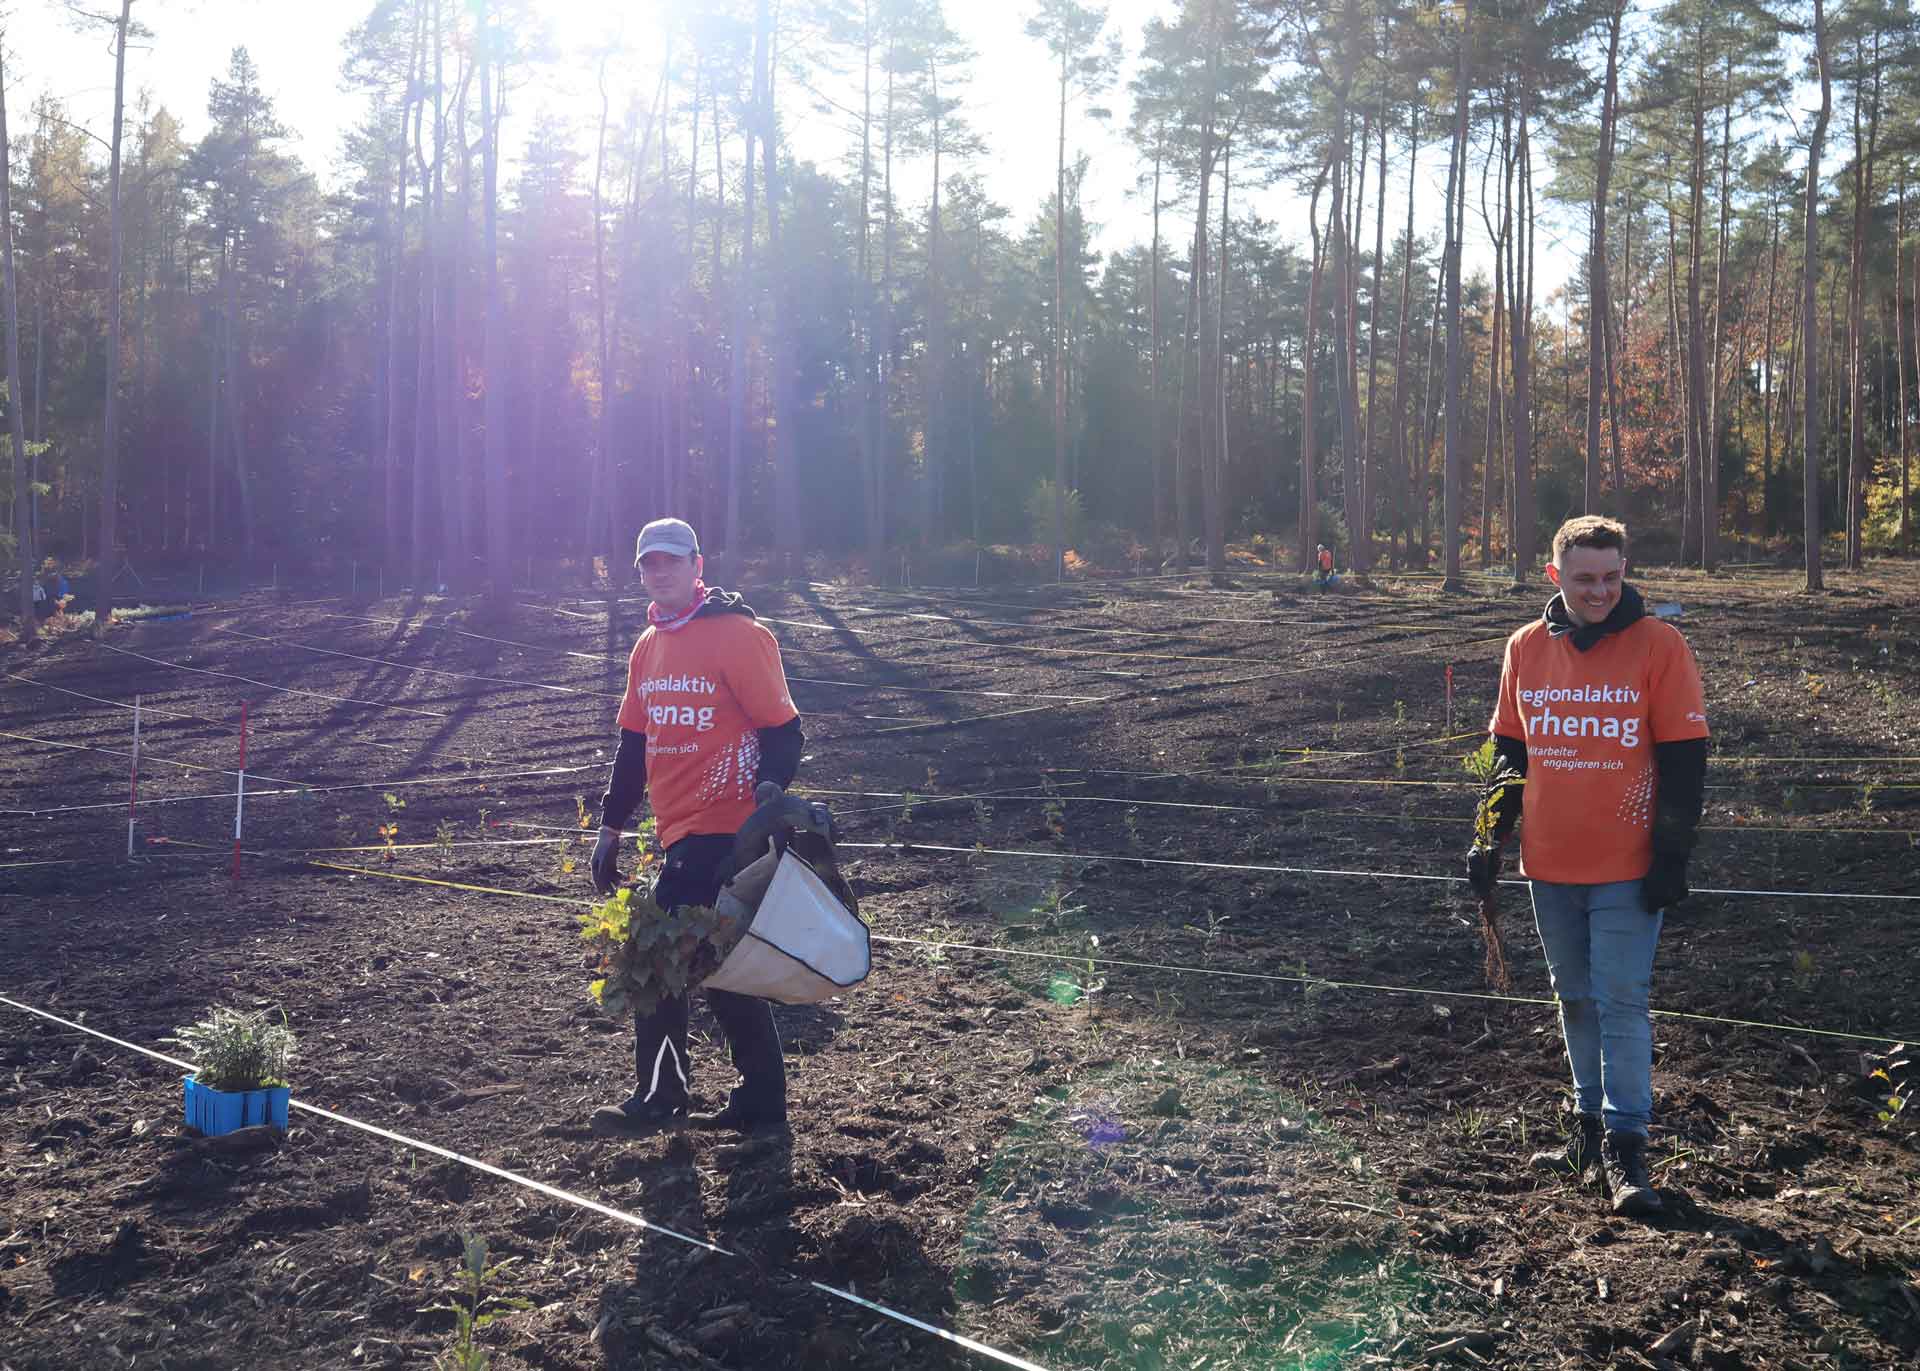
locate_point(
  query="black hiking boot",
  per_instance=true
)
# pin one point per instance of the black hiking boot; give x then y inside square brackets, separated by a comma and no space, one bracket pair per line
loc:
[637,1118]
[1581,1153]
[1626,1164]
[743,1118]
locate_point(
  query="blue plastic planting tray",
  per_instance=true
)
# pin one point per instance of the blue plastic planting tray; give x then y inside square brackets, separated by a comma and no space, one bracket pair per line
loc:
[214,1112]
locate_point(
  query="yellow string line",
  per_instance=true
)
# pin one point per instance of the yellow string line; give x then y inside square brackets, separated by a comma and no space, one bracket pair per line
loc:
[1072,959]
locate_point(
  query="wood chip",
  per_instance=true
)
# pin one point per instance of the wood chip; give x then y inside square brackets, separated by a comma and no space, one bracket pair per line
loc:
[478,1093]
[1675,1339]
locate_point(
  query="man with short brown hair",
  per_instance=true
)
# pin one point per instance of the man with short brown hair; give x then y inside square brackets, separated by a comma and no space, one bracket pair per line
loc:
[1602,711]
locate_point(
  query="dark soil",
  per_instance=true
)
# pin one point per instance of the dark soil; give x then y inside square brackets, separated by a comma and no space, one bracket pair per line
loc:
[1014,1129]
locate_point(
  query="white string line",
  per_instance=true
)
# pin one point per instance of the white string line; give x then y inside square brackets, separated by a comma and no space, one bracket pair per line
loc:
[1074,960]
[279,689]
[260,728]
[1085,608]
[424,670]
[119,704]
[164,761]
[203,850]
[956,640]
[910,846]
[318,789]
[798,680]
[553,1192]
[1160,966]
[966,622]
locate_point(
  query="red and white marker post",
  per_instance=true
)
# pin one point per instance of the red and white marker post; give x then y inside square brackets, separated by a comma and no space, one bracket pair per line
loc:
[1449,699]
[133,776]
[240,791]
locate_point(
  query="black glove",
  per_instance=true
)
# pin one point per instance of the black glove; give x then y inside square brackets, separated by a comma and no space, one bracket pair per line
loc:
[606,860]
[1483,869]
[1665,884]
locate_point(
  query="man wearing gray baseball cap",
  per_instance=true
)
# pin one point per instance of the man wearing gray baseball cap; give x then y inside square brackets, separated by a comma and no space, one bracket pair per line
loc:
[706,720]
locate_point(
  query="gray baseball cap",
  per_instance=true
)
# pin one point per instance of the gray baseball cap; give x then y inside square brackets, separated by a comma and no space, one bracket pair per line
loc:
[667,535]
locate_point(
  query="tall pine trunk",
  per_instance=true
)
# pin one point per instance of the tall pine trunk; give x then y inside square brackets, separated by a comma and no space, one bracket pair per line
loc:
[1520,332]
[1597,305]
[110,421]
[1455,456]
[1809,302]
[23,521]
[499,552]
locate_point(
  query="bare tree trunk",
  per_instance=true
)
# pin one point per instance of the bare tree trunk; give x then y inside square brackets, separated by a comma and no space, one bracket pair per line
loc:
[934,445]
[1155,475]
[1060,335]
[1345,373]
[1521,333]
[1619,355]
[499,552]
[1363,543]
[1809,299]
[426,356]
[390,522]
[1857,459]
[782,372]
[1899,347]
[1699,398]
[1495,450]
[1402,471]
[1181,485]
[24,531]
[1455,459]
[1766,371]
[738,343]
[236,399]
[110,422]
[1309,475]
[1216,421]
[1597,304]
[599,524]
[1710,469]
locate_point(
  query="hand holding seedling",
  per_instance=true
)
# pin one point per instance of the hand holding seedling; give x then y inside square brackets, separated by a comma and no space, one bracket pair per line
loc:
[1492,819]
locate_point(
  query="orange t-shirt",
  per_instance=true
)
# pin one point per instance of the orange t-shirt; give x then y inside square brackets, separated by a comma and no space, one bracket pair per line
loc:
[699,694]
[1590,720]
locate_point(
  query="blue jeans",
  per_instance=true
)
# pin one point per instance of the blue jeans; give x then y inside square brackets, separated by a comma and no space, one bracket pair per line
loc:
[1599,941]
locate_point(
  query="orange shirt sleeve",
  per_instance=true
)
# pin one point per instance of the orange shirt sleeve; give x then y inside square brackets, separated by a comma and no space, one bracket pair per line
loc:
[633,716]
[1679,705]
[1507,721]
[757,679]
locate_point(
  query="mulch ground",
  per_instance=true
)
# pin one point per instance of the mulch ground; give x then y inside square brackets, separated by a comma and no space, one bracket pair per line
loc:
[1050,1121]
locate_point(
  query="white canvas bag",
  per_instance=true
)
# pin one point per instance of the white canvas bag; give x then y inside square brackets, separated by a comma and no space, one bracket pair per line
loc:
[802,945]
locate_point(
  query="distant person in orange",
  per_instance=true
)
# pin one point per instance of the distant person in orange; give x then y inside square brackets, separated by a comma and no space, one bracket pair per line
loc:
[1323,573]
[1601,710]
[706,719]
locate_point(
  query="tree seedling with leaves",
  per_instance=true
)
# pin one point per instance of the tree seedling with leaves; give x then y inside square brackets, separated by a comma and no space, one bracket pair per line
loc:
[473,1307]
[647,955]
[1496,777]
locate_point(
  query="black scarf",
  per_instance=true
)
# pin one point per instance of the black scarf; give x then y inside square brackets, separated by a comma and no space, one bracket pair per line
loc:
[1629,611]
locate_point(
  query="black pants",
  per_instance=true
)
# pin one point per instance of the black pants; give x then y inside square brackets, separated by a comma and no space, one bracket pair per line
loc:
[691,875]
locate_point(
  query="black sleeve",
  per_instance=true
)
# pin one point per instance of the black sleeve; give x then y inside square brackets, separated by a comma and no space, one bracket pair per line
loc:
[1512,756]
[1680,785]
[780,750]
[627,786]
